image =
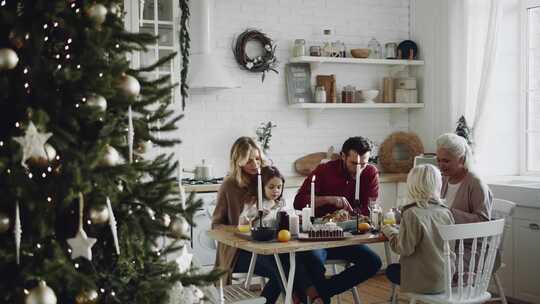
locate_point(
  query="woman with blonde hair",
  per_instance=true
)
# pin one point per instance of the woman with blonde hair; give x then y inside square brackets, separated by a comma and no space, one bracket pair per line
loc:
[234,193]
[421,267]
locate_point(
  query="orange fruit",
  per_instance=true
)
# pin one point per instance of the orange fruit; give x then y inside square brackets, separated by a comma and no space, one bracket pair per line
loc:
[284,235]
[363,227]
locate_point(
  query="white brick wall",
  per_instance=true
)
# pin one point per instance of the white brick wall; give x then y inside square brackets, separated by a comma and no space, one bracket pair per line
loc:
[215,119]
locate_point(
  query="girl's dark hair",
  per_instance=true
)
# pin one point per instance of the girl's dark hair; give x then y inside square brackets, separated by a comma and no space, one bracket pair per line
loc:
[267,173]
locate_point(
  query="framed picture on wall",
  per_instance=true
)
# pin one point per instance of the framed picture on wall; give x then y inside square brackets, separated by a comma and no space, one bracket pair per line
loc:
[298,82]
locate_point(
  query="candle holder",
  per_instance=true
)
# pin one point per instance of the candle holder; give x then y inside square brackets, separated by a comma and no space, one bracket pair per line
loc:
[261,218]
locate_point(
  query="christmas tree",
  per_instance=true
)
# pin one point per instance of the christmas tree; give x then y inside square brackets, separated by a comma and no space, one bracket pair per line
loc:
[85,215]
[464,131]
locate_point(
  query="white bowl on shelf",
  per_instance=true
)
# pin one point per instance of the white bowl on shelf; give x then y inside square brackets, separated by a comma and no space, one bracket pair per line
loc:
[368,96]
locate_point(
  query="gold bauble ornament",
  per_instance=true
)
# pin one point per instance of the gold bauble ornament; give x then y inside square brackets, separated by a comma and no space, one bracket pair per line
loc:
[129,86]
[87,297]
[5,222]
[179,227]
[143,146]
[111,158]
[97,101]
[8,59]
[41,161]
[98,214]
[41,294]
[98,13]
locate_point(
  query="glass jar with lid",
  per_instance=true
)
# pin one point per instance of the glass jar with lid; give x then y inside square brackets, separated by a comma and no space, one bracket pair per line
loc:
[320,94]
[375,49]
[299,48]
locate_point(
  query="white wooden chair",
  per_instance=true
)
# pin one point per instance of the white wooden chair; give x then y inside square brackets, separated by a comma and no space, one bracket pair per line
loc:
[344,264]
[474,290]
[502,209]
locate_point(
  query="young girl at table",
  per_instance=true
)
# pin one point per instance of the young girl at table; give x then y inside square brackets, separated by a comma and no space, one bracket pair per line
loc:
[273,183]
[421,267]
[272,192]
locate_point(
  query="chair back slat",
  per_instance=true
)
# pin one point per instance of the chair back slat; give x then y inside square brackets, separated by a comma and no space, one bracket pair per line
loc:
[460,269]
[448,269]
[487,236]
[471,274]
[492,252]
[480,266]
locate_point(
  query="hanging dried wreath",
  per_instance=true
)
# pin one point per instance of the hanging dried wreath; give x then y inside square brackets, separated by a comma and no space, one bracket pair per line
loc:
[387,156]
[264,63]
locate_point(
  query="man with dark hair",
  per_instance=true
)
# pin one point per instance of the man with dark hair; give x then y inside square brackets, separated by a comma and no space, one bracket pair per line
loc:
[334,190]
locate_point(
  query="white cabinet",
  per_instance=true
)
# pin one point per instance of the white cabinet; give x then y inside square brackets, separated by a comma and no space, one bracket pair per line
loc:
[526,234]
[506,272]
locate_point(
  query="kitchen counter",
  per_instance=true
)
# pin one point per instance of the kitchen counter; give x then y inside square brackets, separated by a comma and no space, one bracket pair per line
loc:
[296,182]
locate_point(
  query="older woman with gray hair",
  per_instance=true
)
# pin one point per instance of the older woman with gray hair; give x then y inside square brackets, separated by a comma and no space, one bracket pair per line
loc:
[467,196]
[421,267]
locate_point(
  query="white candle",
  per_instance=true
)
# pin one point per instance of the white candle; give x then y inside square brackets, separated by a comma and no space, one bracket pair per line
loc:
[306,221]
[259,189]
[221,296]
[131,134]
[358,172]
[294,223]
[313,196]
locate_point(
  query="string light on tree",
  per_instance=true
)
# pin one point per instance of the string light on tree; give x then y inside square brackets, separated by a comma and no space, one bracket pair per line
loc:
[5,222]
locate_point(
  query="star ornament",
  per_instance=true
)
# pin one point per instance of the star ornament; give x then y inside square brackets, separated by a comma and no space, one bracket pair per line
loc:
[32,143]
[81,245]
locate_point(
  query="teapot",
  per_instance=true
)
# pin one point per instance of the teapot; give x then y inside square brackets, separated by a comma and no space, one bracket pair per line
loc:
[201,172]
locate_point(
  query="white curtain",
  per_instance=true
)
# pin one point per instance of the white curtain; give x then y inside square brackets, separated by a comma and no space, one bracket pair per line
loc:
[474,27]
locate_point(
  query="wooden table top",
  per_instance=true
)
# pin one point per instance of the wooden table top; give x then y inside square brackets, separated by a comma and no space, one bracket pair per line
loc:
[227,236]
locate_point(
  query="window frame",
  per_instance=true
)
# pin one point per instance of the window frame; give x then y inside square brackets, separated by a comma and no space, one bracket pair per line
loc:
[524,109]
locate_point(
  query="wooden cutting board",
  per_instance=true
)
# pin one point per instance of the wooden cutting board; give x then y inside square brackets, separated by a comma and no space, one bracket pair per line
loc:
[308,163]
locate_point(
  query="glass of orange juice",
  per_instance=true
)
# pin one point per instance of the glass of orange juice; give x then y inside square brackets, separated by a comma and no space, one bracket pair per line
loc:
[389,218]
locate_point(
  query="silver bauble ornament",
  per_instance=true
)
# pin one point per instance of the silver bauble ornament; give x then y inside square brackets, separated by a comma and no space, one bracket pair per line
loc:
[115,9]
[43,162]
[98,214]
[87,297]
[98,13]
[8,59]
[166,220]
[97,101]
[112,157]
[41,294]
[129,86]
[179,227]
[5,222]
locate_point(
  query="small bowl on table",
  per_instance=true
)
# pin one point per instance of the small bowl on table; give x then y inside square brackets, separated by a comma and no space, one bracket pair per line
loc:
[360,53]
[263,234]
